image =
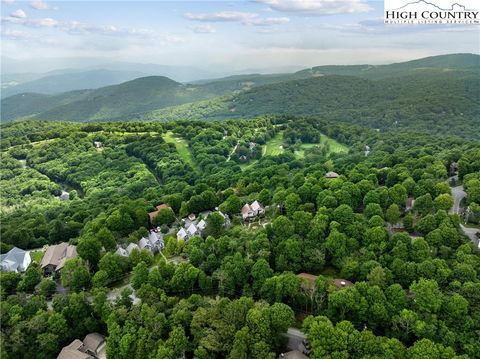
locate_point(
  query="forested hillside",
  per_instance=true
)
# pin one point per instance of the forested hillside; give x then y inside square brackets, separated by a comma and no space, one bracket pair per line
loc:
[339,251]
[434,95]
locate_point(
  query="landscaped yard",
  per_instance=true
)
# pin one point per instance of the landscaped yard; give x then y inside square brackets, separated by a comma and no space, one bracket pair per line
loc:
[182,148]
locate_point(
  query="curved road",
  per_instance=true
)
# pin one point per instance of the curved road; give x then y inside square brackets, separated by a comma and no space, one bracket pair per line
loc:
[458,195]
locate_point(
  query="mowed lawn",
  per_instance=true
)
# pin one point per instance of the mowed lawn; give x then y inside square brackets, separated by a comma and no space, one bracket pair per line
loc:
[274,146]
[333,146]
[182,148]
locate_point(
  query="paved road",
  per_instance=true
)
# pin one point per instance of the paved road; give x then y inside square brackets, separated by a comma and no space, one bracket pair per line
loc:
[472,234]
[295,338]
[458,194]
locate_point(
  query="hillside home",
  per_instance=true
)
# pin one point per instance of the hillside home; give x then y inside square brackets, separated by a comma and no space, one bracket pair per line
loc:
[55,256]
[92,347]
[131,247]
[182,234]
[250,211]
[331,175]
[15,260]
[121,252]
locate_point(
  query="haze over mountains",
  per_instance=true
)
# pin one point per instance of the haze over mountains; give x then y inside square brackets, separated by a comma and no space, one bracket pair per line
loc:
[372,95]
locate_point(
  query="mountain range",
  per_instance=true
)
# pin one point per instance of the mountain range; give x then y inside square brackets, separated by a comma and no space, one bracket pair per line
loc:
[431,88]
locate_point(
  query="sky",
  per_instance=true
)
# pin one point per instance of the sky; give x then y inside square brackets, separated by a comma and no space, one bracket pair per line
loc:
[41,35]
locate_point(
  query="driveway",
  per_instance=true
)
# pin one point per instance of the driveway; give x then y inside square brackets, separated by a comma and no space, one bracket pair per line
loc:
[458,194]
[295,338]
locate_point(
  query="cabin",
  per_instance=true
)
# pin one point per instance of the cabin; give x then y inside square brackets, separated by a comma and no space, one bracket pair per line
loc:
[15,260]
[121,252]
[55,257]
[331,175]
[182,234]
[250,211]
[131,247]
[92,347]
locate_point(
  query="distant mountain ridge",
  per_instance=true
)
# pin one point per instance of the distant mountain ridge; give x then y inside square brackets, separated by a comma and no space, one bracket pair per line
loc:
[158,97]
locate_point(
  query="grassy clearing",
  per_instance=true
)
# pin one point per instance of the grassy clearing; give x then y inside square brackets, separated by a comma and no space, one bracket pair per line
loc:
[274,146]
[182,148]
[333,146]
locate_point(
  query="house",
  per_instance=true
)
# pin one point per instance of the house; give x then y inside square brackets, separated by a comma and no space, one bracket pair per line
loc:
[74,350]
[247,212]
[156,241]
[182,234]
[55,256]
[131,247]
[251,211]
[98,144]
[192,230]
[92,347]
[331,175]
[294,354]
[201,225]
[94,344]
[144,243]
[15,260]
[257,208]
[409,203]
[153,214]
[121,252]
[191,216]
[65,196]
[342,283]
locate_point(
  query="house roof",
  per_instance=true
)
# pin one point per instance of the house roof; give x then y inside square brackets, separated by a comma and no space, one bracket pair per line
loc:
[13,259]
[342,283]
[410,202]
[143,242]
[93,341]
[201,225]
[57,255]
[131,247]
[255,206]
[331,174]
[121,252]
[181,233]
[73,351]
[155,238]
[192,229]
[246,208]
[192,216]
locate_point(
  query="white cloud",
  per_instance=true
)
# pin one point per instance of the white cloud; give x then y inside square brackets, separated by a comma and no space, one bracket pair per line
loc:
[39,5]
[268,21]
[246,18]
[19,14]
[317,7]
[16,35]
[8,2]
[204,29]
[234,16]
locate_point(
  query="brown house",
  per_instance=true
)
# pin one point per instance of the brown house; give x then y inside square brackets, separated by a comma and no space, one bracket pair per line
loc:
[308,280]
[55,257]
[92,347]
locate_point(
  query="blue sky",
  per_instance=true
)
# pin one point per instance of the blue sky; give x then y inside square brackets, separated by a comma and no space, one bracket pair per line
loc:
[257,34]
